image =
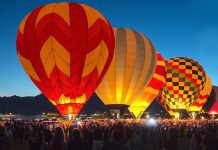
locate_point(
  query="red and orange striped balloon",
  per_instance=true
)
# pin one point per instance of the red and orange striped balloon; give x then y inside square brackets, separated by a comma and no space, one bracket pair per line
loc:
[66,49]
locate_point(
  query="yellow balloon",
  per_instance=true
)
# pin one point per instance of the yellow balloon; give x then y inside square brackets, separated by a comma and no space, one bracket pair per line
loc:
[131,69]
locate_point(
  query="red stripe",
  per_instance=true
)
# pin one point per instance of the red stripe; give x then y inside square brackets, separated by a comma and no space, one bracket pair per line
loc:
[98,32]
[161,70]
[20,43]
[32,49]
[156,84]
[78,42]
[54,25]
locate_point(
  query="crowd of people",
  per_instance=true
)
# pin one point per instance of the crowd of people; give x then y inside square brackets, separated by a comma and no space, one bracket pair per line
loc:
[111,135]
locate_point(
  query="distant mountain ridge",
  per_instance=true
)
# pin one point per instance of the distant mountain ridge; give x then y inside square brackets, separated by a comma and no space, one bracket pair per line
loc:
[39,104]
[31,105]
[25,105]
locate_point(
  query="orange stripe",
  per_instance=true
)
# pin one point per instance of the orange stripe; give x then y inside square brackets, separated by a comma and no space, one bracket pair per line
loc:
[92,15]
[22,24]
[44,11]
[27,65]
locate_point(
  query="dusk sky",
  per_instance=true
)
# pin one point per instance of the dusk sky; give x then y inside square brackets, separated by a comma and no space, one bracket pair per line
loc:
[185,28]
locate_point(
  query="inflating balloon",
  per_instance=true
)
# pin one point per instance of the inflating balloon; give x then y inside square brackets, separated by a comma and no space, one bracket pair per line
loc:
[66,49]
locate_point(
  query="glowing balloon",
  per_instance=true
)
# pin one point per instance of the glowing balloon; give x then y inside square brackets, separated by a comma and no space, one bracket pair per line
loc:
[151,91]
[211,105]
[184,80]
[214,108]
[131,69]
[66,49]
[203,96]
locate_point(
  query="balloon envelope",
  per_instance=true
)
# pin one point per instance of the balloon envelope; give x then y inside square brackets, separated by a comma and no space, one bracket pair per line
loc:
[211,106]
[66,49]
[131,69]
[184,81]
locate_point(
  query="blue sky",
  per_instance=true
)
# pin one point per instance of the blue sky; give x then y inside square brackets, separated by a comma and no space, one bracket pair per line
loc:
[187,28]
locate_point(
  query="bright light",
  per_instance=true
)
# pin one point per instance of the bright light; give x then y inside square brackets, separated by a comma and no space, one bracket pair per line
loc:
[70,116]
[147,116]
[202,118]
[213,112]
[78,123]
[176,115]
[118,115]
[151,122]
[193,115]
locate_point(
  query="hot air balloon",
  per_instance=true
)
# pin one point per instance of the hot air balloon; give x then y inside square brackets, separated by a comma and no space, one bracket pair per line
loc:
[131,70]
[214,108]
[66,49]
[151,91]
[211,106]
[184,81]
[197,105]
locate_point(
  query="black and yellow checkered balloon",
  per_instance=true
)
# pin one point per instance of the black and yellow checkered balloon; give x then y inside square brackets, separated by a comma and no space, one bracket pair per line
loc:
[184,80]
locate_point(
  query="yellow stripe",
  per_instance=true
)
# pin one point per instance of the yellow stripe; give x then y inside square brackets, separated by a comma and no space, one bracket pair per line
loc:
[149,89]
[110,78]
[49,65]
[62,9]
[44,11]
[22,24]
[138,87]
[130,65]
[102,89]
[46,50]
[62,57]
[91,59]
[92,15]
[102,58]
[47,58]
[161,63]
[158,77]
[96,58]
[53,53]
[27,65]
[120,61]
